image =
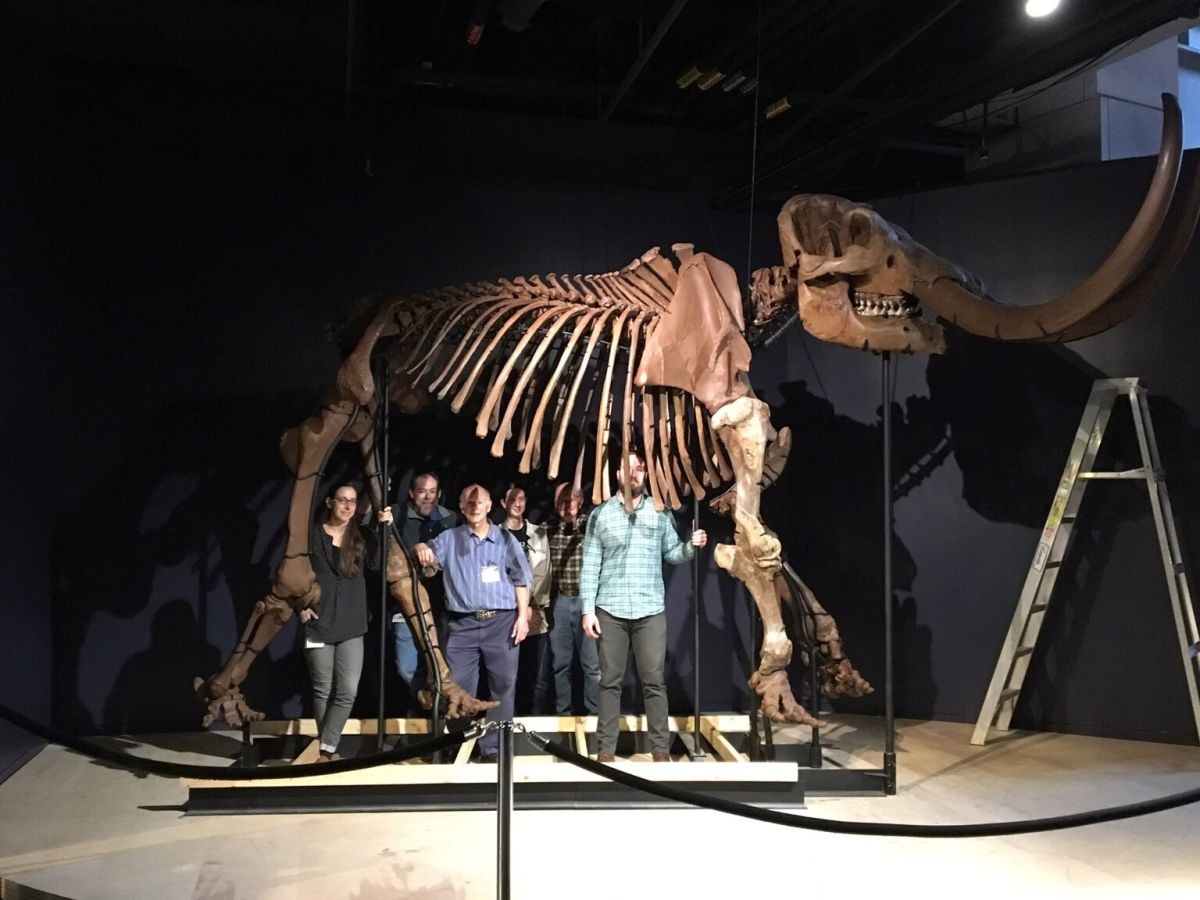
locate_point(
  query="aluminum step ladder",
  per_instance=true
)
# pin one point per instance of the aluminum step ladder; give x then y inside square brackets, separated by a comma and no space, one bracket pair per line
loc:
[1055,542]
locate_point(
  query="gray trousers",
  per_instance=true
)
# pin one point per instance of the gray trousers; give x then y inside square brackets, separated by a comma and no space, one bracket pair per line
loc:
[649,639]
[334,671]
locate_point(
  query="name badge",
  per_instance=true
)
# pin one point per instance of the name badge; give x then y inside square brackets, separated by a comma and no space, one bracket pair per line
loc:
[490,574]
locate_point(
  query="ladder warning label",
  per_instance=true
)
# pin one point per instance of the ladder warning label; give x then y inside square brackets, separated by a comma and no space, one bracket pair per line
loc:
[1039,558]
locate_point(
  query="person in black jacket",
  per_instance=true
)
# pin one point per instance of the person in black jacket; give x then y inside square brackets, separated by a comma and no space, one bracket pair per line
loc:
[334,628]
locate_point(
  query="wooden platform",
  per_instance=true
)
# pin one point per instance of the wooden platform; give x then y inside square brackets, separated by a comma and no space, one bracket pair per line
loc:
[541,781]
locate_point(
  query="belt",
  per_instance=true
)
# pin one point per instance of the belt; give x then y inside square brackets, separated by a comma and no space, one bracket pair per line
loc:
[481,615]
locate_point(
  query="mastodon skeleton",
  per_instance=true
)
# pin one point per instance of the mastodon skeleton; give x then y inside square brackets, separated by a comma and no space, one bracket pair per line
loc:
[533,358]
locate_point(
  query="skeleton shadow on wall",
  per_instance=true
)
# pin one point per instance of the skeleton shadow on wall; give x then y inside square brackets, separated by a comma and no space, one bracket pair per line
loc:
[179,515]
[826,509]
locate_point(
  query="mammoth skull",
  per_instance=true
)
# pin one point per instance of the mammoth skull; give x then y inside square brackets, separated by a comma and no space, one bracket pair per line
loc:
[862,282]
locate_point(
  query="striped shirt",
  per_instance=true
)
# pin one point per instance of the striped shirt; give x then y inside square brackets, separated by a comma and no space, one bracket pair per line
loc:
[623,557]
[480,572]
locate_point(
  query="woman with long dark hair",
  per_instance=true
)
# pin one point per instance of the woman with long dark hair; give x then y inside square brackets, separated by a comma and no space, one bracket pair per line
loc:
[334,628]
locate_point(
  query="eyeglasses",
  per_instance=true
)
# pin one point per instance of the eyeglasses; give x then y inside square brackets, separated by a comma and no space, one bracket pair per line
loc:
[346,501]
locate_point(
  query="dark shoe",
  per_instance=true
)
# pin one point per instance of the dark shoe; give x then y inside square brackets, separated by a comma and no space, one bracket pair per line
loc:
[486,758]
[660,757]
[605,758]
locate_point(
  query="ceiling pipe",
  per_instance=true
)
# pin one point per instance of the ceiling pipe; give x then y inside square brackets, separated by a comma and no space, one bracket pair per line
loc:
[644,57]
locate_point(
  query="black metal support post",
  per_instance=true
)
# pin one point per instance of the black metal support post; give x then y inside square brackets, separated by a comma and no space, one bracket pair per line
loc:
[504,808]
[697,750]
[889,752]
[755,750]
[815,757]
[381,443]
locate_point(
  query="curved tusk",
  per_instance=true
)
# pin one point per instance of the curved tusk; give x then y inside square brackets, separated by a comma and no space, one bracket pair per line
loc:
[982,316]
[1172,244]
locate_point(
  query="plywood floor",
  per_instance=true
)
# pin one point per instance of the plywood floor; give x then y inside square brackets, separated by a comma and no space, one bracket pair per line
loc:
[73,828]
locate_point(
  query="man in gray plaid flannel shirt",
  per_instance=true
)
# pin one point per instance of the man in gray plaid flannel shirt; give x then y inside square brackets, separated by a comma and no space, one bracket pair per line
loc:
[623,603]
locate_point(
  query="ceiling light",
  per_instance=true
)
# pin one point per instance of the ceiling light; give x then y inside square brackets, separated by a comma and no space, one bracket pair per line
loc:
[778,108]
[1038,8]
[688,78]
[733,81]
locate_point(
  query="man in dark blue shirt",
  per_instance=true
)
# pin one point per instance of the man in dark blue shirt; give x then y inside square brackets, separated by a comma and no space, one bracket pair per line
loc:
[424,518]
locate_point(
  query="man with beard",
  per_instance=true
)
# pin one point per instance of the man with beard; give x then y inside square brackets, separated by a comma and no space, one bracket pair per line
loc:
[623,602]
[424,520]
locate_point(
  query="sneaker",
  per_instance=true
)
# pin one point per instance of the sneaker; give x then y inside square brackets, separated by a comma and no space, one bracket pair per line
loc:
[660,757]
[605,757]
[328,757]
[486,758]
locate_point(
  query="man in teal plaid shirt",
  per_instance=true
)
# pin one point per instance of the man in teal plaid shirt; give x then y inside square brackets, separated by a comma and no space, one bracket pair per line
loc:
[623,603]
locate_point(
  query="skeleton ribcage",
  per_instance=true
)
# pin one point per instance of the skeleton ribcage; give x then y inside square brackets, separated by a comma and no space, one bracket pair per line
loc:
[533,358]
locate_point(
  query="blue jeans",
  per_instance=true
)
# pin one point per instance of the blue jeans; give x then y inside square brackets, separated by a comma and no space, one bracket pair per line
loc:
[535,681]
[568,642]
[406,651]
[334,670]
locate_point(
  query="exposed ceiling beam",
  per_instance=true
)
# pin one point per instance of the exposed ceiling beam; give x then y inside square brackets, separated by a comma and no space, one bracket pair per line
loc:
[644,57]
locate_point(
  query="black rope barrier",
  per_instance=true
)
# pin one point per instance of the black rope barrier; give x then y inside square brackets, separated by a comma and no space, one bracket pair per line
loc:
[218,773]
[874,829]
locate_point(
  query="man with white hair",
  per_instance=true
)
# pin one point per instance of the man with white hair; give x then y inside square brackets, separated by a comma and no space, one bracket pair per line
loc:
[487,604]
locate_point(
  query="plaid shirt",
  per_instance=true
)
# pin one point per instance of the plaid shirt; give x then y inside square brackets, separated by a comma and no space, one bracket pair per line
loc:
[566,557]
[623,557]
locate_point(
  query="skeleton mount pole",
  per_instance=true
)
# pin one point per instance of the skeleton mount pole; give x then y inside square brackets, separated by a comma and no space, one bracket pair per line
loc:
[1055,542]
[889,751]
[384,532]
[697,749]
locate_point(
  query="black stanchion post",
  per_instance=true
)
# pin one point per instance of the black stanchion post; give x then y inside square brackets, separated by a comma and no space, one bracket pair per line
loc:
[504,807]
[752,653]
[381,443]
[814,691]
[889,752]
[697,750]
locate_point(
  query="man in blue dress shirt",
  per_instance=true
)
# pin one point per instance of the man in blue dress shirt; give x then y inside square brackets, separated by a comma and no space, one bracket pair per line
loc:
[486,577]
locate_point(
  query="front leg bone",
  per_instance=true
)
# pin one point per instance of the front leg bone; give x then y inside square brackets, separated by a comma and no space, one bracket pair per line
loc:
[754,560]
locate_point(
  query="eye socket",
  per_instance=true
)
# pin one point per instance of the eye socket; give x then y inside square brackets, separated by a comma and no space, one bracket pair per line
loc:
[859,228]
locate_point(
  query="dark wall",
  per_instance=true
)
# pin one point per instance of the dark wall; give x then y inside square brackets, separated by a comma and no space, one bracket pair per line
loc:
[168,299]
